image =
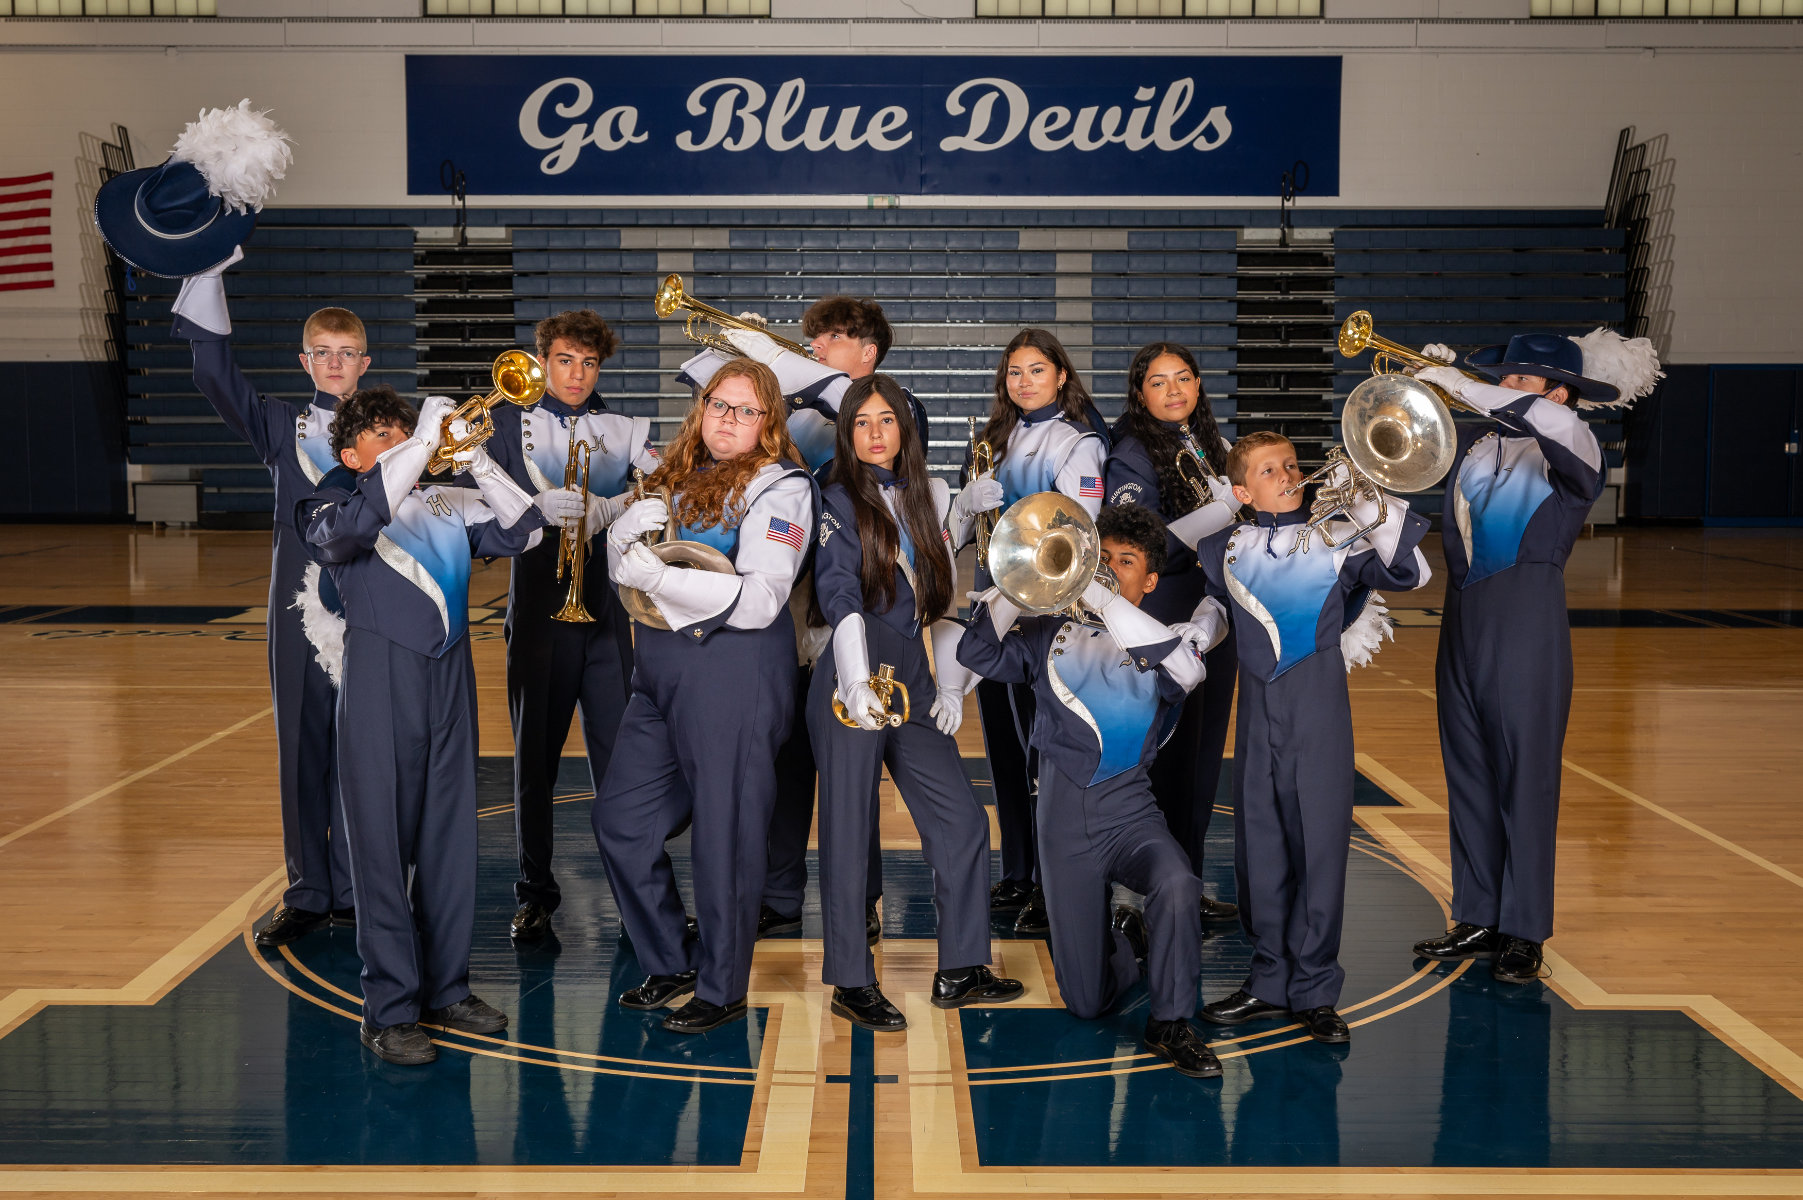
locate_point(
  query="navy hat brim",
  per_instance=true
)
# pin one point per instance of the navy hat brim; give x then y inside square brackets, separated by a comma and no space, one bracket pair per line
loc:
[1489,362]
[116,215]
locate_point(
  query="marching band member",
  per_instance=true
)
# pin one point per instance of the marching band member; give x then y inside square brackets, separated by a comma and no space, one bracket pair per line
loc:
[849,338]
[1521,491]
[1041,439]
[399,556]
[296,446]
[554,666]
[883,576]
[1105,688]
[712,696]
[1293,772]
[1167,448]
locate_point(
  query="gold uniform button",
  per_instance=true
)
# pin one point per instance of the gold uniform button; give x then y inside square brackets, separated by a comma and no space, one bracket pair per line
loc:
[1233,558]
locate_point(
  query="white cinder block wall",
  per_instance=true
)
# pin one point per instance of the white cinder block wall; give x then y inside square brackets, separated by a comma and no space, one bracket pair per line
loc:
[1434,115]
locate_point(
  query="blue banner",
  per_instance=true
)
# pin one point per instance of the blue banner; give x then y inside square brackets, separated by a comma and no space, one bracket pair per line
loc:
[606,125]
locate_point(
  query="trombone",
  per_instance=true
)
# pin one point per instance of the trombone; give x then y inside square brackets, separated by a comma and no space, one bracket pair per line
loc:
[885,685]
[572,549]
[982,459]
[670,299]
[519,379]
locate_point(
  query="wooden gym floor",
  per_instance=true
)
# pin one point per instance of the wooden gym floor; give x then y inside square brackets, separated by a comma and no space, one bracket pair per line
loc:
[146,1047]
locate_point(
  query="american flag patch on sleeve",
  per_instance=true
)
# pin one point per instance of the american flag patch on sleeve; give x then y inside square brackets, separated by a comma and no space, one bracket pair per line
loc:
[1089,486]
[786,532]
[946,534]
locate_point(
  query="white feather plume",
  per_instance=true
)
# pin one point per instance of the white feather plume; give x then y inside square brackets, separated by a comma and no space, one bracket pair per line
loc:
[1631,365]
[1361,640]
[240,153]
[323,627]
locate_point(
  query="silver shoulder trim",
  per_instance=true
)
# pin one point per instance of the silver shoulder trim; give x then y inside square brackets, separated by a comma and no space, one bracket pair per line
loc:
[1461,512]
[409,568]
[1069,699]
[308,467]
[1242,596]
[540,483]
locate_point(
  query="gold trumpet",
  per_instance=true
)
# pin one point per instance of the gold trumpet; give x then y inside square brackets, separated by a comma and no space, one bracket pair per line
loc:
[519,379]
[982,459]
[573,548]
[689,556]
[885,685]
[670,299]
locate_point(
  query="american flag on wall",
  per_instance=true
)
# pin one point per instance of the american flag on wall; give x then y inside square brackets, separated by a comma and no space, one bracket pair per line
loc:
[25,232]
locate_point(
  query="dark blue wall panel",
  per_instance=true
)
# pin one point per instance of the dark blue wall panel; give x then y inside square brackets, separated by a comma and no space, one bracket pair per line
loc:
[66,421]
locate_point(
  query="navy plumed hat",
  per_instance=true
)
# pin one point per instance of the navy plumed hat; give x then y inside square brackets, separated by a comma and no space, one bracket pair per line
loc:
[188,213]
[1606,369]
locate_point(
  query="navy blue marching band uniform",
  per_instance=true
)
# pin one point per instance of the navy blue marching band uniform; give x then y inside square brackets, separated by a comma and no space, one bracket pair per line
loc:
[712,699]
[1045,453]
[555,666]
[1104,691]
[1521,490]
[1293,755]
[296,445]
[923,761]
[400,557]
[1187,772]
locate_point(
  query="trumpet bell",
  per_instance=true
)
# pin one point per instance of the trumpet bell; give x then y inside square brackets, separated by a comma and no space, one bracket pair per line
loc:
[519,377]
[688,556]
[1399,432]
[1044,552]
[669,296]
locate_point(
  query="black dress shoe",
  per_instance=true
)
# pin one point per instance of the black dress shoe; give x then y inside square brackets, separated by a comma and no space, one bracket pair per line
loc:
[1517,961]
[770,922]
[1325,1025]
[1130,923]
[472,1014]
[1218,912]
[1009,895]
[869,1008]
[344,918]
[289,924]
[403,1045]
[1463,940]
[1239,1008]
[699,1016]
[873,925]
[1178,1043]
[658,990]
[531,922]
[1033,918]
[973,985]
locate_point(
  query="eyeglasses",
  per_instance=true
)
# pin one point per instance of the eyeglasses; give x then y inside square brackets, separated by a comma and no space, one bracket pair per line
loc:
[744,414]
[322,357]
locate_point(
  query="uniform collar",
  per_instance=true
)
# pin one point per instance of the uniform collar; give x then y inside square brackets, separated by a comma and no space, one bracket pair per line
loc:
[324,401]
[1296,516]
[885,476]
[1037,416]
[554,407]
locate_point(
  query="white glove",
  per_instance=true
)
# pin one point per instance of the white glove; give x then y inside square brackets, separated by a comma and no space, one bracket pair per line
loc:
[1098,596]
[505,498]
[1437,351]
[948,710]
[640,518]
[861,704]
[429,429]
[1448,379]
[605,510]
[759,347]
[474,459]
[758,319]
[560,505]
[400,467]
[202,298]
[638,567]
[1196,636]
[982,494]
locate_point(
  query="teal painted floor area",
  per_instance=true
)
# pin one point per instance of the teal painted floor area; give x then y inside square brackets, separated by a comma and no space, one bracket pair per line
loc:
[234,1068]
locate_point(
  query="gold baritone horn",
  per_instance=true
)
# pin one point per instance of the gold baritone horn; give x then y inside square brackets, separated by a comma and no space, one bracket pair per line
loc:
[685,555]
[885,685]
[519,379]
[572,548]
[698,314]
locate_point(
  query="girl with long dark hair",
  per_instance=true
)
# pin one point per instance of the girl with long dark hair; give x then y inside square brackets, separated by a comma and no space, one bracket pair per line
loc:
[885,578]
[712,695]
[1041,439]
[1167,450]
